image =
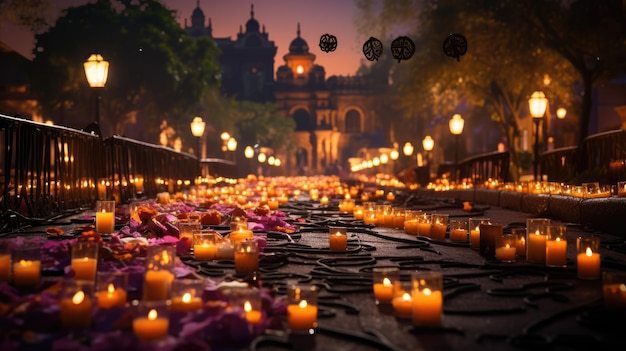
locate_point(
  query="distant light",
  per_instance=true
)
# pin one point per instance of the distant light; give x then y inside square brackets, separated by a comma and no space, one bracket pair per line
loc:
[456,124]
[561,112]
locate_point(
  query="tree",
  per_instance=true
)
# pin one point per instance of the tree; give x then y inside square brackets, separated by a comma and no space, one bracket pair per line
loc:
[157,72]
[29,13]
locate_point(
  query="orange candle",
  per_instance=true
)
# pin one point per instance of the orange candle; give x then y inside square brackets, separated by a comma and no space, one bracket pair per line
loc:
[84,268]
[410,226]
[204,251]
[458,235]
[358,212]
[112,297]
[76,311]
[338,241]
[240,235]
[186,303]
[246,257]
[520,246]
[438,231]
[5,268]
[427,307]
[383,291]
[301,316]
[252,316]
[423,229]
[403,305]
[475,238]
[157,284]
[26,273]
[588,265]
[556,252]
[506,253]
[151,327]
[536,247]
[105,222]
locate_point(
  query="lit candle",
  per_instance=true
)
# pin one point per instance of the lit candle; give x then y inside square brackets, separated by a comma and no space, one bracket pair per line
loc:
[102,189]
[475,238]
[506,253]
[410,226]
[556,252]
[157,284]
[358,212]
[588,264]
[111,297]
[151,327]
[301,316]
[520,246]
[5,267]
[105,222]
[324,200]
[252,316]
[427,307]
[84,268]
[398,218]
[186,303]
[614,295]
[369,217]
[338,241]
[536,247]
[458,235]
[204,251]
[26,273]
[383,291]
[273,203]
[240,235]
[246,256]
[403,305]
[438,230]
[423,229]
[76,311]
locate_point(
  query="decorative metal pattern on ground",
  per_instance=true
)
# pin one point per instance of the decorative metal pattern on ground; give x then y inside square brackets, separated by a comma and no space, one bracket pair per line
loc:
[402,48]
[328,42]
[455,46]
[373,49]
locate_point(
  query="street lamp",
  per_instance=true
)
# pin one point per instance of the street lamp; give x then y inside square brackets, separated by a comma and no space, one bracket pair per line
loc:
[96,71]
[408,148]
[248,152]
[456,128]
[537,104]
[428,144]
[197,129]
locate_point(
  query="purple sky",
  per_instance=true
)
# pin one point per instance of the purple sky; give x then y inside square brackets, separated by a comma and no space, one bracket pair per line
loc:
[280,18]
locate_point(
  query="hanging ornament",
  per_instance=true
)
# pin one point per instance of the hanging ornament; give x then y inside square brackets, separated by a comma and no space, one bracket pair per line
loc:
[328,42]
[455,46]
[402,48]
[372,49]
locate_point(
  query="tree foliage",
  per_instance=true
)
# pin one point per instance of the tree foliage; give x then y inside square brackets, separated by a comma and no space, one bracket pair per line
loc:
[30,13]
[157,72]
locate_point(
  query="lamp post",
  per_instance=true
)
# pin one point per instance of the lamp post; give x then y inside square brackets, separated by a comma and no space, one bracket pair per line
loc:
[561,112]
[456,128]
[197,129]
[537,104]
[97,72]
[428,144]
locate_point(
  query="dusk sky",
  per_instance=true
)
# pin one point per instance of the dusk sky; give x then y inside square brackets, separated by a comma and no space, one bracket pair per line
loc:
[280,18]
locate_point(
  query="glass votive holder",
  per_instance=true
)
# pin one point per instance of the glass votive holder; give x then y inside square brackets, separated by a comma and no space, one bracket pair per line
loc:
[369,216]
[591,189]
[85,260]
[520,241]
[424,221]
[474,228]
[426,292]
[614,289]
[588,257]
[488,234]
[26,266]
[151,320]
[225,249]
[458,230]
[358,212]
[410,221]
[383,216]
[384,279]
[247,302]
[246,256]
[111,289]
[402,301]
[160,262]
[76,303]
[204,247]
[621,189]
[105,217]
[187,295]
[238,222]
[5,260]
[338,238]
[556,246]
[439,226]
[505,248]
[302,308]
[536,240]
[186,229]
[399,215]
[241,233]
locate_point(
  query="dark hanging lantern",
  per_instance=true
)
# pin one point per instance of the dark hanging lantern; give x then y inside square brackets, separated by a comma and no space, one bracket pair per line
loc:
[455,46]
[328,42]
[402,48]
[373,49]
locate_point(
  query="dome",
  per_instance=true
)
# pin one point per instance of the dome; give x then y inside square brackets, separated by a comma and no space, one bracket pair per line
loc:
[252,26]
[197,18]
[298,45]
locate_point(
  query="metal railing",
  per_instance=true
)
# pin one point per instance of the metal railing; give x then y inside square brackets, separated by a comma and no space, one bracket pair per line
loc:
[482,167]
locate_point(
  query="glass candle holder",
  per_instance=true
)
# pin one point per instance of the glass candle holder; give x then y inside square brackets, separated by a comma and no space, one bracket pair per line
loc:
[160,262]
[410,221]
[621,189]
[614,289]
[5,260]
[369,216]
[102,186]
[505,248]
[238,222]
[536,240]
[439,226]
[151,320]
[186,229]
[111,289]
[302,308]
[399,215]
[556,246]
[76,303]
[383,216]
[338,238]
[458,230]
[105,217]
[427,298]
[225,249]
[520,241]
[424,221]
[358,212]
[246,257]
[204,247]
[26,267]
[588,257]
[247,302]
[384,279]
[590,190]
[85,260]
[187,295]
[402,301]
[474,228]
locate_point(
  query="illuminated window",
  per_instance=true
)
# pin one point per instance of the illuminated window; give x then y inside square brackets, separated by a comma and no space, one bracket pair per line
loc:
[299,69]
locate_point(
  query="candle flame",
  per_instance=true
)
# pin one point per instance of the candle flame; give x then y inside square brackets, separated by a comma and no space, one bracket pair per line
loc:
[508,246]
[523,240]
[302,304]
[104,211]
[85,259]
[622,287]
[78,297]
[152,315]
[537,232]
[338,234]
[187,298]
[165,258]
[426,291]
[588,252]
[406,297]
[247,306]
[386,282]
[111,288]
[558,239]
